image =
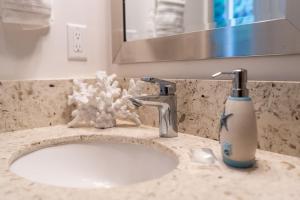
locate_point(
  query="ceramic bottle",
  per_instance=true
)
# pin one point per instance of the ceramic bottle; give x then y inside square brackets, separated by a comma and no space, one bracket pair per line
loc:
[238,129]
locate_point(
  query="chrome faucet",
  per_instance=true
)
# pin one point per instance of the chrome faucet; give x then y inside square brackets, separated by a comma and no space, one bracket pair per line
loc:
[166,102]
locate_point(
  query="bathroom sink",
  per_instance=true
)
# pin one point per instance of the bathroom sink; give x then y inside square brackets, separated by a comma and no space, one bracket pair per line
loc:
[97,164]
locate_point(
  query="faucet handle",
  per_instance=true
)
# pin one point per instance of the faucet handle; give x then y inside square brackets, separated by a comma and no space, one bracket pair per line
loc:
[166,87]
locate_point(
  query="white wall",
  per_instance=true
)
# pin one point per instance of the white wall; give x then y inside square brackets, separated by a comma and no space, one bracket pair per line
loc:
[275,9]
[43,54]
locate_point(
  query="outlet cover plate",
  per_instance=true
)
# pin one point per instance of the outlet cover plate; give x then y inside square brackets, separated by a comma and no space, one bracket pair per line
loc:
[77,44]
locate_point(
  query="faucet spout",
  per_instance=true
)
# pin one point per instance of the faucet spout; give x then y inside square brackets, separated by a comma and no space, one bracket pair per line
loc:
[166,103]
[167,107]
[156,101]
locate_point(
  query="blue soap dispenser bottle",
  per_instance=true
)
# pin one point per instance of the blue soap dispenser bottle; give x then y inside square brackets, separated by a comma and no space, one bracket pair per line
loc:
[238,129]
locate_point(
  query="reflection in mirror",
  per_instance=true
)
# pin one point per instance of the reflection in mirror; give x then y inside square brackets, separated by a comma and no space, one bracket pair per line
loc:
[159,18]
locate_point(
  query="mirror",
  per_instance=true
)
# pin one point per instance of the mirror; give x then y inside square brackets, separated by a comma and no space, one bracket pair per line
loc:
[159,18]
[175,30]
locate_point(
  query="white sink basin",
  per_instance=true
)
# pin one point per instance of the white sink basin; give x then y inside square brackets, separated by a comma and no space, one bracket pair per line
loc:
[89,165]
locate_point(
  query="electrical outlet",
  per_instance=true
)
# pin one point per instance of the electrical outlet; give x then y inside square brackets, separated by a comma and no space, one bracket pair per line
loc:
[77,44]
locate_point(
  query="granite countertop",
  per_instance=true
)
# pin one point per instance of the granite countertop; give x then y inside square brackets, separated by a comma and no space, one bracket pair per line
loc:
[276,176]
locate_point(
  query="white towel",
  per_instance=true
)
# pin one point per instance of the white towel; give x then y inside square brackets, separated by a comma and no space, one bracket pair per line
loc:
[169,17]
[31,14]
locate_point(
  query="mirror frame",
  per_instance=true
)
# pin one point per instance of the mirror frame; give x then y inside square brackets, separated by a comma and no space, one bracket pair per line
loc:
[273,37]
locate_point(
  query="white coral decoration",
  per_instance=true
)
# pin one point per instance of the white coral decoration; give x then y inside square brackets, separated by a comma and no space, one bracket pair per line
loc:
[101,104]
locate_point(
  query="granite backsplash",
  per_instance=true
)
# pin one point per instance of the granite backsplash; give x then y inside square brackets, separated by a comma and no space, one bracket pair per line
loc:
[31,104]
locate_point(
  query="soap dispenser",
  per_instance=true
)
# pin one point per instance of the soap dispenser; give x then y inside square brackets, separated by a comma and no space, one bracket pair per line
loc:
[238,129]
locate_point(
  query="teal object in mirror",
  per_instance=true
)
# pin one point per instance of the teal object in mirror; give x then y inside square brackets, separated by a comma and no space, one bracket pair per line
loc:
[233,12]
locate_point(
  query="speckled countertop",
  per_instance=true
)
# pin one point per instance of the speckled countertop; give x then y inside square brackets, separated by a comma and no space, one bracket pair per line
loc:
[275,176]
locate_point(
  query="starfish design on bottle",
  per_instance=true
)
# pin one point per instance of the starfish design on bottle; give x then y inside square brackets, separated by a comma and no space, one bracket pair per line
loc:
[223,121]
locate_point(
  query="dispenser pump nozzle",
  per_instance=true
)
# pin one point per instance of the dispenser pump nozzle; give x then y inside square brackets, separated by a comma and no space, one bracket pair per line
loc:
[239,82]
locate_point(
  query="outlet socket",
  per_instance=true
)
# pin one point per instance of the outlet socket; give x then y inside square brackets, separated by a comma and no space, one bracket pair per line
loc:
[77,45]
